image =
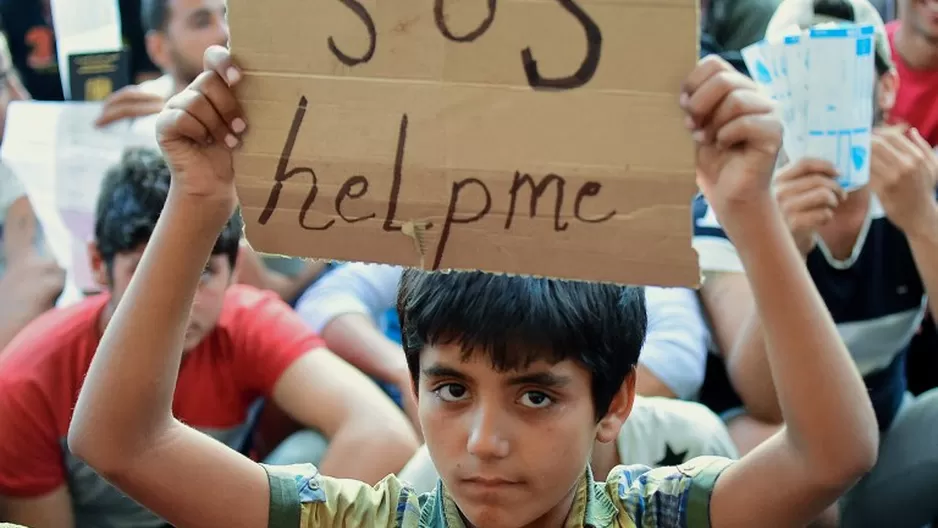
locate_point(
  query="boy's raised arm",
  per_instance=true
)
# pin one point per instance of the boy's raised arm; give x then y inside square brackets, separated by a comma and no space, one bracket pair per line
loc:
[123,424]
[831,437]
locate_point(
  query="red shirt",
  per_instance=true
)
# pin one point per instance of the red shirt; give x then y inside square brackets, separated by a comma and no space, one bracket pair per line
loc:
[257,337]
[917,100]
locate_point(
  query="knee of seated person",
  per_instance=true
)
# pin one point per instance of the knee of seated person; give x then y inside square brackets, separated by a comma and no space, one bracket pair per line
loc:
[701,431]
[707,430]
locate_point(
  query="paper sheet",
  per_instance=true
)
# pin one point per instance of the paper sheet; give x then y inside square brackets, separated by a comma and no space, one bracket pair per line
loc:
[822,80]
[61,159]
[84,26]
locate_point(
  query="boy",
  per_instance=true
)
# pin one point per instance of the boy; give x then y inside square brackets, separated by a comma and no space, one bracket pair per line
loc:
[510,405]
[350,308]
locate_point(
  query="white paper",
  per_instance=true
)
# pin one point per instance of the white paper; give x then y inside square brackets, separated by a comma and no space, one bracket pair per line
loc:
[796,58]
[61,159]
[84,26]
[822,80]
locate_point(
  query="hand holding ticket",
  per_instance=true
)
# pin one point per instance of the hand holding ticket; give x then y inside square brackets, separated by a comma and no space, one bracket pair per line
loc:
[822,80]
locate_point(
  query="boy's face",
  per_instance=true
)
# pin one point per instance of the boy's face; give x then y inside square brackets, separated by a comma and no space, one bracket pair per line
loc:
[509,446]
[209,298]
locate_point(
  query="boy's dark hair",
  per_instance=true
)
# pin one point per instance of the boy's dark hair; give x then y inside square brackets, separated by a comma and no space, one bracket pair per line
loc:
[519,320]
[132,197]
[154,15]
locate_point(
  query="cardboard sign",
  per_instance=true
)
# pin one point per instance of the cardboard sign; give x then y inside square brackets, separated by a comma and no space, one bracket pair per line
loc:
[525,137]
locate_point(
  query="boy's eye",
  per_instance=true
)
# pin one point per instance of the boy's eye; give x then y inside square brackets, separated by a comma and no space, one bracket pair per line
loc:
[536,400]
[451,392]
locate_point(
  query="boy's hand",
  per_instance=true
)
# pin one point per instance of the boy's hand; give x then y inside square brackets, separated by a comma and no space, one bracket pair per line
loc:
[737,134]
[903,171]
[807,193]
[197,131]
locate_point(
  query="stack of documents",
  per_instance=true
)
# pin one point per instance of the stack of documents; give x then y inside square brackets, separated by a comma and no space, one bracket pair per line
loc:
[822,80]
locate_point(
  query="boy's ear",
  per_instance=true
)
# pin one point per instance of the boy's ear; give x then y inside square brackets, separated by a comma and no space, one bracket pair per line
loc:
[99,271]
[607,430]
[887,90]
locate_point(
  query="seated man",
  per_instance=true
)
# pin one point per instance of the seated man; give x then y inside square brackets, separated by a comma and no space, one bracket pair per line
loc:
[350,307]
[873,256]
[240,344]
[511,401]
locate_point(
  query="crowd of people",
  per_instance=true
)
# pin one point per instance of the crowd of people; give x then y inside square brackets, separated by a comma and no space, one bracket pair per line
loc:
[205,385]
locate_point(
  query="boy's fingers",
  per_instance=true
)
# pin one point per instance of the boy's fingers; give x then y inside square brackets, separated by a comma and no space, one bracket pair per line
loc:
[219,95]
[185,125]
[917,139]
[737,103]
[786,189]
[197,106]
[702,103]
[820,198]
[883,154]
[750,128]
[928,154]
[706,68]
[807,167]
[218,59]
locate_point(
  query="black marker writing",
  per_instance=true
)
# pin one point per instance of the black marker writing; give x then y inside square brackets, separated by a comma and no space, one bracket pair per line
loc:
[397,176]
[594,39]
[348,191]
[590,188]
[440,17]
[537,191]
[369,23]
[451,214]
[282,174]
[308,203]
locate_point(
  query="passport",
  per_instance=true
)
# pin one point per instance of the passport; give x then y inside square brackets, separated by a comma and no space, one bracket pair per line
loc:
[94,76]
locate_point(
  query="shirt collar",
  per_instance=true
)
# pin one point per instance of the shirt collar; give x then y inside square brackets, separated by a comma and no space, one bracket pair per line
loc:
[592,507]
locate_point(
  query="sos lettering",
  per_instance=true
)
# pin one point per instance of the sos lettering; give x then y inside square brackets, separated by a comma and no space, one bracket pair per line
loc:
[535,80]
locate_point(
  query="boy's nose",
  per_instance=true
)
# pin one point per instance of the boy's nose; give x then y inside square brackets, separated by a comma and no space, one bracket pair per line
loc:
[486,438]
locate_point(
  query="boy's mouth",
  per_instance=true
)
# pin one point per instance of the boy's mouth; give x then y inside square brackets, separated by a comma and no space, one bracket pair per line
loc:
[489,482]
